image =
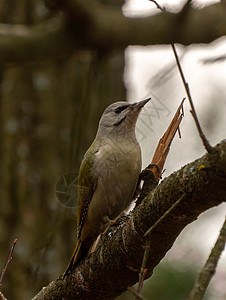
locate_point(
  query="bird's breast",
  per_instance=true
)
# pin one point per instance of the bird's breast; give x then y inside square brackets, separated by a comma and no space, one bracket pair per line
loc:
[117,168]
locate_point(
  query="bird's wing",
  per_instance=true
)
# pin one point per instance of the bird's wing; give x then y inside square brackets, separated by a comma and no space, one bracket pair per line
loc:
[86,187]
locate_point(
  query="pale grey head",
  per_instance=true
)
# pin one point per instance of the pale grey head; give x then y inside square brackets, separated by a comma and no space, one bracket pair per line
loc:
[120,116]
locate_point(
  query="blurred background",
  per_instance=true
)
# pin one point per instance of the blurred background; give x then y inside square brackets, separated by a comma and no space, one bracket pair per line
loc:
[49,114]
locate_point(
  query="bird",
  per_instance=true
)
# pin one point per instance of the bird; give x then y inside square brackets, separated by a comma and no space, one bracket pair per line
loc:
[108,175]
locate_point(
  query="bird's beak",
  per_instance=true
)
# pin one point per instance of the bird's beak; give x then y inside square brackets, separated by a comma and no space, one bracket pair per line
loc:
[141,103]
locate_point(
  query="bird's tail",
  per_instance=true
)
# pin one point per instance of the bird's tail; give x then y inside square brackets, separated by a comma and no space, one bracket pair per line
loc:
[79,252]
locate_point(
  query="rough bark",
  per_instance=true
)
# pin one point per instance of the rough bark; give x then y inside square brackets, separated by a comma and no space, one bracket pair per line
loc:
[94,26]
[115,265]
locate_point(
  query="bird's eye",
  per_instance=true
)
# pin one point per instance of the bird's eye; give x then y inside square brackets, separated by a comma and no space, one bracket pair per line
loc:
[120,109]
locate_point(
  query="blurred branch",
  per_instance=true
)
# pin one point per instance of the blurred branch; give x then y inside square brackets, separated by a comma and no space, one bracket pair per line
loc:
[165,73]
[213,60]
[119,258]
[94,26]
[210,267]
[8,261]
[25,44]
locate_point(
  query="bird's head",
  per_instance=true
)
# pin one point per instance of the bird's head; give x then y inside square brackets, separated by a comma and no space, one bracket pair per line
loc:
[120,116]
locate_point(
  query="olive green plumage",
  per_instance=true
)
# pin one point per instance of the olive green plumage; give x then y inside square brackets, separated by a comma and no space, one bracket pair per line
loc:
[108,175]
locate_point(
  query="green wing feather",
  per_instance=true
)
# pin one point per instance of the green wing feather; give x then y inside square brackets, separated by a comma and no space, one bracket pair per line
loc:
[86,186]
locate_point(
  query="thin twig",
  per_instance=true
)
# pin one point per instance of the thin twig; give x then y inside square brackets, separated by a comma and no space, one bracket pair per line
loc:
[209,268]
[149,231]
[157,5]
[206,144]
[139,297]
[8,261]
[143,269]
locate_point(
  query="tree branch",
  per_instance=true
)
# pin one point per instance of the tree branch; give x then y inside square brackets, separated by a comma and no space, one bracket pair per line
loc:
[104,28]
[115,265]
[25,44]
